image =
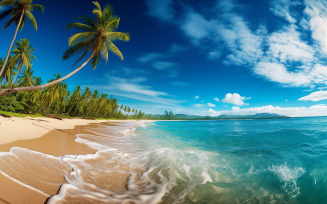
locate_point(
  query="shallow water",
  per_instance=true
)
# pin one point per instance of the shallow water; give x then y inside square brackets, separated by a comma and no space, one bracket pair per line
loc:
[232,161]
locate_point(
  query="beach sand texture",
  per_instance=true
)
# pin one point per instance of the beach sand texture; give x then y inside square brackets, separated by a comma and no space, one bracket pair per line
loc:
[34,169]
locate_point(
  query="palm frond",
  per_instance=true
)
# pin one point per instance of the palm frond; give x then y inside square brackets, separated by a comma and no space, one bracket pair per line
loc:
[32,19]
[37,7]
[118,36]
[104,52]
[79,59]
[7,3]
[95,60]
[98,7]
[88,21]
[113,24]
[8,23]
[80,36]
[80,26]
[112,47]
[5,13]
[76,48]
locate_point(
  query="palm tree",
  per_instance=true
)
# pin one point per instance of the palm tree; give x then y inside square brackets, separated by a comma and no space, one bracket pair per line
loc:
[86,95]
[23,56]
[75,98]
[51,94]
[9,72]
[27,78]
[97,38]
[92,103]
[19,10]
[34,95]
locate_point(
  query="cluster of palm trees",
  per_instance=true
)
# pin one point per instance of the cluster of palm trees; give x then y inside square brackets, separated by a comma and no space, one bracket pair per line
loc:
[21,91]
[57,100]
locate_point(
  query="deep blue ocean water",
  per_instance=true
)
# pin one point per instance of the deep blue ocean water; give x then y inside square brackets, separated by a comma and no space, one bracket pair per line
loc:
[239,161]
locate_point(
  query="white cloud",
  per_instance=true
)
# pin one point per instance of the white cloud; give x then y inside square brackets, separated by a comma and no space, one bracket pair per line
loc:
[287,45]
[235,99]
[315,96]
[316,11]
[316,110]
[214,55]
[278,72]
[281,8]
[162,10]
[132,86]
[211,105]
[162,65]
[149,57]
[199,105]
[196,26]
[216,99]
[197,97]
[294,54]
[244,45]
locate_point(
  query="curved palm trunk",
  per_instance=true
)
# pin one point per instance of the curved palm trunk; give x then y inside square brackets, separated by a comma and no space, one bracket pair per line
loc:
[11,44]
[16,77]
[4,92]
[12,102]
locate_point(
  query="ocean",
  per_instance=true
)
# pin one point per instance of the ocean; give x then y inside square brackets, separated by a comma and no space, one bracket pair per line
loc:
[224,161]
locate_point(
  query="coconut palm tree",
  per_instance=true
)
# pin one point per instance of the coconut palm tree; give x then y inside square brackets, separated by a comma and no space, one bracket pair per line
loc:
[52,93]
[19,10]
[75,98]
[97,38]
[23,56]
[9,72]
[27,78]
[86,96]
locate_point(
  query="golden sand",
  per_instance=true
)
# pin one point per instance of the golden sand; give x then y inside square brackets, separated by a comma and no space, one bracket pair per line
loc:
[33,176]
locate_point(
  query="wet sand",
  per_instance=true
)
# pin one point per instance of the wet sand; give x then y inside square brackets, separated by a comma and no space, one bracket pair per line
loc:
[32,171]
[56,142]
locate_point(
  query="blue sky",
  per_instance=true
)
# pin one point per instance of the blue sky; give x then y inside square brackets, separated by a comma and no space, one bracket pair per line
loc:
[198,57]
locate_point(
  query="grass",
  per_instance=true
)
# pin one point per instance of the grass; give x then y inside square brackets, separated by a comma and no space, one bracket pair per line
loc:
[20,114]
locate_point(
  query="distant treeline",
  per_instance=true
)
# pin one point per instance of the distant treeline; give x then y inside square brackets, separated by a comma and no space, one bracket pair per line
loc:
[57,100]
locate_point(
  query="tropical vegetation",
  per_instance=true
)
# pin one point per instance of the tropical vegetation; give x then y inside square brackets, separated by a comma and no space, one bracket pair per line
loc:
[23,92]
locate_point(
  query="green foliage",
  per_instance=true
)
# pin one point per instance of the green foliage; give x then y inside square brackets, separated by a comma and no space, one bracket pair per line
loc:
[96,36]
[16,8]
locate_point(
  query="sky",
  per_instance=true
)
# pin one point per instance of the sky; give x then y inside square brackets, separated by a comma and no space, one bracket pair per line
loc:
[207,57]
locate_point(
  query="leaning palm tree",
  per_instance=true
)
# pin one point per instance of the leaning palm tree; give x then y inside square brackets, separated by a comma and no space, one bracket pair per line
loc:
[19,10]
[97,38]
[23,56]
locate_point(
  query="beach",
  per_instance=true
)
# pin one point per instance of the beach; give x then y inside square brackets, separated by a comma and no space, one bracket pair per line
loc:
[30,155]
[223,161]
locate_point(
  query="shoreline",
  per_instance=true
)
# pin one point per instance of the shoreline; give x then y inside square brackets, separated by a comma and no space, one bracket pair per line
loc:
[45,140]
[15,128]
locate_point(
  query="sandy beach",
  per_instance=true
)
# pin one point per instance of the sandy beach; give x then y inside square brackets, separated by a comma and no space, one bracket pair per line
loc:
[29,150]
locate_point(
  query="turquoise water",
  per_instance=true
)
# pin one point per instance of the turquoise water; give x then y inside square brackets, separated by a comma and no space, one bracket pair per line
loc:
[238,161]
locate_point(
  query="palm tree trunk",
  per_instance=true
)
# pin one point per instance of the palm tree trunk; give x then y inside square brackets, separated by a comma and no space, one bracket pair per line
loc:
[12,102]
[11,44]
[4,92]
[20,65]
[70,109]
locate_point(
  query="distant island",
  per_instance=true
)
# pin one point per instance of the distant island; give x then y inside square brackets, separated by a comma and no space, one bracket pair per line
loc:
[221,117]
